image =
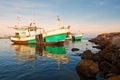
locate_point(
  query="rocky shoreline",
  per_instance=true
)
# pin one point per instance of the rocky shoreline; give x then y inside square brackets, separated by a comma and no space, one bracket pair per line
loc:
[106,62]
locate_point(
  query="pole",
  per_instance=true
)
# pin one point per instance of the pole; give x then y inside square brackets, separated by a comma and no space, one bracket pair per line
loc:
[58,19]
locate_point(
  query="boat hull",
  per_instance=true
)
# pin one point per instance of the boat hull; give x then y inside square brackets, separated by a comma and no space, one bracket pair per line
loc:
[56,38]
[48,38]
[75,38]
[78,38]
[25,40]
[35,42]
[19,42]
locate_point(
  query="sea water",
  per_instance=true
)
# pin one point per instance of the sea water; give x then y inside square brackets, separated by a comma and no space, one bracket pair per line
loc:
[37,62]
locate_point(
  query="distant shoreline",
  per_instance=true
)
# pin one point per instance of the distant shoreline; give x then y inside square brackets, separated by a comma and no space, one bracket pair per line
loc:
[5,37]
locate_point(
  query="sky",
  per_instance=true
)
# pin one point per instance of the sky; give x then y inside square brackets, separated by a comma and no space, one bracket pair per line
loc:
[90,17]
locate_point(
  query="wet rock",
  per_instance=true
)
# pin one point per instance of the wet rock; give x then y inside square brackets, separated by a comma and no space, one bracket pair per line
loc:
[86,55]
[109,75]
[105,67]
[108,67]
[110,53]
[106,39]
[87,68]
[99,47]
[114,78]
[116,41]
[87,78]
[111,57]
[96,57]
[108,59]
[74,49]
[100,40]
[108,56]
[116,69]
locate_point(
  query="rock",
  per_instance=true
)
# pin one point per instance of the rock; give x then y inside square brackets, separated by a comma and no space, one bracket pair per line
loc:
[96,57]
[110,53]
[117,77]
[108,58]
[86,55]
[87,78]
[87,68]
[100,40]
[111,57]
[109,75]
[107,38]
[105,67]
[116,41]
[99,47]
[116,69]
[109,62]
[74,49]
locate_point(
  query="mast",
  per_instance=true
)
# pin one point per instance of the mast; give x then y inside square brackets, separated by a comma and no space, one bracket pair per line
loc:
[18,21]
[33,21]
[58,20]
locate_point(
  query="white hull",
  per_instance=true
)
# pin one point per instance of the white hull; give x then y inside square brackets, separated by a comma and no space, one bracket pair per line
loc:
[22,39]
[54,32]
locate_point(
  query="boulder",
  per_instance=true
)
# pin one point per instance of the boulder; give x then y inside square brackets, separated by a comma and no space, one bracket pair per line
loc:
[108,59]
[106,39]
[116,41]
[105,67]
[86,54]
[87,68]
[117,77]
[96,57]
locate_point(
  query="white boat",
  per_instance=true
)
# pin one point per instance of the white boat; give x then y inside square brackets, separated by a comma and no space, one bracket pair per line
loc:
[26,34]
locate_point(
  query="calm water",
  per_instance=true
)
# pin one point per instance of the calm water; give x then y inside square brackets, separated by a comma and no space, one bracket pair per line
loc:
[35,62]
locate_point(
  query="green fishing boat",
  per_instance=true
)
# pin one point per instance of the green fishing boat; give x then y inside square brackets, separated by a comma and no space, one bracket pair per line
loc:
[32,35]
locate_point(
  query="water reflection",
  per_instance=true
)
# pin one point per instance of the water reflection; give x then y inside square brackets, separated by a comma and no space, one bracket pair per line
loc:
[30,53]
[25,53]
[56,53]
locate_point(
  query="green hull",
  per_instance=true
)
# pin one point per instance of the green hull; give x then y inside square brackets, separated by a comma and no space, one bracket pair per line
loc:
[32,41]
[56,38]
[50,39]
[76,38]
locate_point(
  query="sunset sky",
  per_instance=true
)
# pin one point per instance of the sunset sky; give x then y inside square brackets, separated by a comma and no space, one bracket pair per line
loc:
[90,17]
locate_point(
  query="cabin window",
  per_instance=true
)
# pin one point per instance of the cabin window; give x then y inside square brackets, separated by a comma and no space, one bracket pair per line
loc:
[23,33]
[17,34]
[31,29]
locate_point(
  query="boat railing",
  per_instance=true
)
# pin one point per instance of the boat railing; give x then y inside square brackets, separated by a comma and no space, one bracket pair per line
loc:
[61,28]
